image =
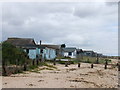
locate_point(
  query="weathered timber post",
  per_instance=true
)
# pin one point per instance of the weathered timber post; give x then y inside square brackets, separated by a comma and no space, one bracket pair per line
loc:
[17,61]
[69,62]
[4,72]
[40,60]
[92,65]
[37,62]
[4,65]
[88,60]
[25,67]
[66,64]
[33,62]
[105,66]
[16,68]
[97,61]
[41,55]
[117,64]
[79,65]
[118,67]
[106,62]
[54,62]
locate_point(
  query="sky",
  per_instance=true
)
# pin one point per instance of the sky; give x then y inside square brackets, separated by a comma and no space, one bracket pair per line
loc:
[84,25]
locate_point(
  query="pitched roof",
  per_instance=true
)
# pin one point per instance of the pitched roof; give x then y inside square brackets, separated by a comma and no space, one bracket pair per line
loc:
[51,46]
[21,41]
[69,49]
[88,51]
[79,50]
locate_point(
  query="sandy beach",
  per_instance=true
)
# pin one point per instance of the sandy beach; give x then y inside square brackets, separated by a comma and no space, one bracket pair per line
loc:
[65,77]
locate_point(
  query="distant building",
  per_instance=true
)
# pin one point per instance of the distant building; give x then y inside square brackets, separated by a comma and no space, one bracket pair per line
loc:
[89,53]
[47,51]
[28,45]
[100,55]
[79,53]
[69,52]
[51,51]
[43,51]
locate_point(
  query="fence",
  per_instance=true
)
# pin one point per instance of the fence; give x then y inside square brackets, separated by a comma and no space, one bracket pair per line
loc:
[13,69]
[8,70]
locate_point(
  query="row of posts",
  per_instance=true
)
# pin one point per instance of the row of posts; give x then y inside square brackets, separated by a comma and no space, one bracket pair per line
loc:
[34,62]
[66,64]
[92,65]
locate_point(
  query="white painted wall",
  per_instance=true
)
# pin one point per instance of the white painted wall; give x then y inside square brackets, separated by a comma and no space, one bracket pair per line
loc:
[72,56]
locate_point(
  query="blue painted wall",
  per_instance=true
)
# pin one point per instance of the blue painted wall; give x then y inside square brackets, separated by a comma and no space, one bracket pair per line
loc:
[32,53]
[48,53]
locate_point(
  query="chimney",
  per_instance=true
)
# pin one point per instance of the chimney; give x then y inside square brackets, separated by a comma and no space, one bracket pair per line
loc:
[40,42]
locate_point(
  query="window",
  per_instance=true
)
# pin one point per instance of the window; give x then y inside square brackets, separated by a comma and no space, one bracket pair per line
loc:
[70,53]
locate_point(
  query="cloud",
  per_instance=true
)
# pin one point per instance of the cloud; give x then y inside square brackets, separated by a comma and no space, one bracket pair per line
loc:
[84,25]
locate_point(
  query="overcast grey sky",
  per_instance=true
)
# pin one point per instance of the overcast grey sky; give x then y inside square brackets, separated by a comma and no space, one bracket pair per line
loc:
[90,26]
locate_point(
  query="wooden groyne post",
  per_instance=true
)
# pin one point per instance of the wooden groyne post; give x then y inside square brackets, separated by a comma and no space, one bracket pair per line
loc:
[79,65]
[118,67]
[33,62]
[97,61]
[25,67]
[105,66]
[54,62]
[66,64]
[106,63]
[37,59]
[92,65]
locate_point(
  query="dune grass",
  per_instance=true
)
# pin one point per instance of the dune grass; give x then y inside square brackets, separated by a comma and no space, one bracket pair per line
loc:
[87,59]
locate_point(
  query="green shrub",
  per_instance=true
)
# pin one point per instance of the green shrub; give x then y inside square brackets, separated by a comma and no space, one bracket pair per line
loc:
[63,62]
[87,59]
[12,55]
[33,67]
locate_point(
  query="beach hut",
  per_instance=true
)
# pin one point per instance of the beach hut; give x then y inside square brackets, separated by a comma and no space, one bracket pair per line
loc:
[28,45]
[69,52]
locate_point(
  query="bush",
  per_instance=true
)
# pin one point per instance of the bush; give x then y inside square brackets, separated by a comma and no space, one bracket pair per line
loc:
[63,62]
[33,67]
[87,59]
[12,55]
